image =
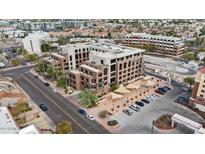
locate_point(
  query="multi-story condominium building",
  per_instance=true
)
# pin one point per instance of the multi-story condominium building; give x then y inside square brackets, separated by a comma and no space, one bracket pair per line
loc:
[107,64]
[198,92]
[32,42]
[125,64]
[90,76]
[77,54]
[59,61]
[161,44]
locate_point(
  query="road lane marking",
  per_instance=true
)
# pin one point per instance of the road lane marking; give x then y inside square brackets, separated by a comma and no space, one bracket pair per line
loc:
[55,104]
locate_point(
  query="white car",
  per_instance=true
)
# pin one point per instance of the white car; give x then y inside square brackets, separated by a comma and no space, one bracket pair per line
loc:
[90,117]
[55,90]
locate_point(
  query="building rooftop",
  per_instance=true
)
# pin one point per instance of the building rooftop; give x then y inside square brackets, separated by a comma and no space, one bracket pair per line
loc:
[90,68]
[58,55]
[7,123]
[114,51]
[31,129]
[155,36]
[75,71]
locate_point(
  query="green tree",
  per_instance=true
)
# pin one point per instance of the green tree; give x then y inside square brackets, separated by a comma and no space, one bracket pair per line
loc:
[109,36]
[189,80]
[32,57]
[45,47]
[22,51]
[88,98]
[189,56]
[113,87]
[40,67]
[15,62]
[64,127]
[61,81]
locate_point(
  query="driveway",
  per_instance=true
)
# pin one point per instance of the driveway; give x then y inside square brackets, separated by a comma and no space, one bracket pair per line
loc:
[141,122]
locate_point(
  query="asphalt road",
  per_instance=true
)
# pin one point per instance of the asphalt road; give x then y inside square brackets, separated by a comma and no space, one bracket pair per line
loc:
[59,108]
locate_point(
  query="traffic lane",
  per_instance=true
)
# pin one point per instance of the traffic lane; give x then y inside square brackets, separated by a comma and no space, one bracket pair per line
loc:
[53,112]
[92,126]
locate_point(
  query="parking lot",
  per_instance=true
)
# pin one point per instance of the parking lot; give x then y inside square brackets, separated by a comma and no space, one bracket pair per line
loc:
[141,122]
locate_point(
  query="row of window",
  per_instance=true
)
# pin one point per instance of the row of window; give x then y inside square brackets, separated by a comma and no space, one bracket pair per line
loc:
[147,38]
[83,49]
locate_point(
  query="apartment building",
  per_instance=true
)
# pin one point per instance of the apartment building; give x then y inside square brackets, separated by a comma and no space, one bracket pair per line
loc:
[167,45]
[77,54]
[125,64]
[59,61]
[32,42]
[90,76]
[198,92]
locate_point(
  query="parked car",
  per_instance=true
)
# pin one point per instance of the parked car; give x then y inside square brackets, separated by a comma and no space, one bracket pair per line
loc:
[90,117]
[55,90]
[186,89]
[46,84]
[81,111]
[43,107]
[128,112]
[139,103]
[145,100]
[166,87]
[154,95]
[150,98]
[182,99]
[159,91]
[133,108]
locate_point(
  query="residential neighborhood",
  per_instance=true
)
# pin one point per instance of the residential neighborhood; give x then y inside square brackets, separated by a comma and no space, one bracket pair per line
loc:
[102,76]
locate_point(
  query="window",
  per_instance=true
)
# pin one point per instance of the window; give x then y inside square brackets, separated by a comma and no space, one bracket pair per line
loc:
[70,58]
[129,64]
[120,66]
[112,80]
[105,71]
[201,95]
[113,61]
[125,65]
[101,61]
[113,68]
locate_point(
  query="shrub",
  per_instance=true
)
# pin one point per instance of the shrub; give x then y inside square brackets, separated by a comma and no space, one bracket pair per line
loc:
[112,122]
[102,114]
